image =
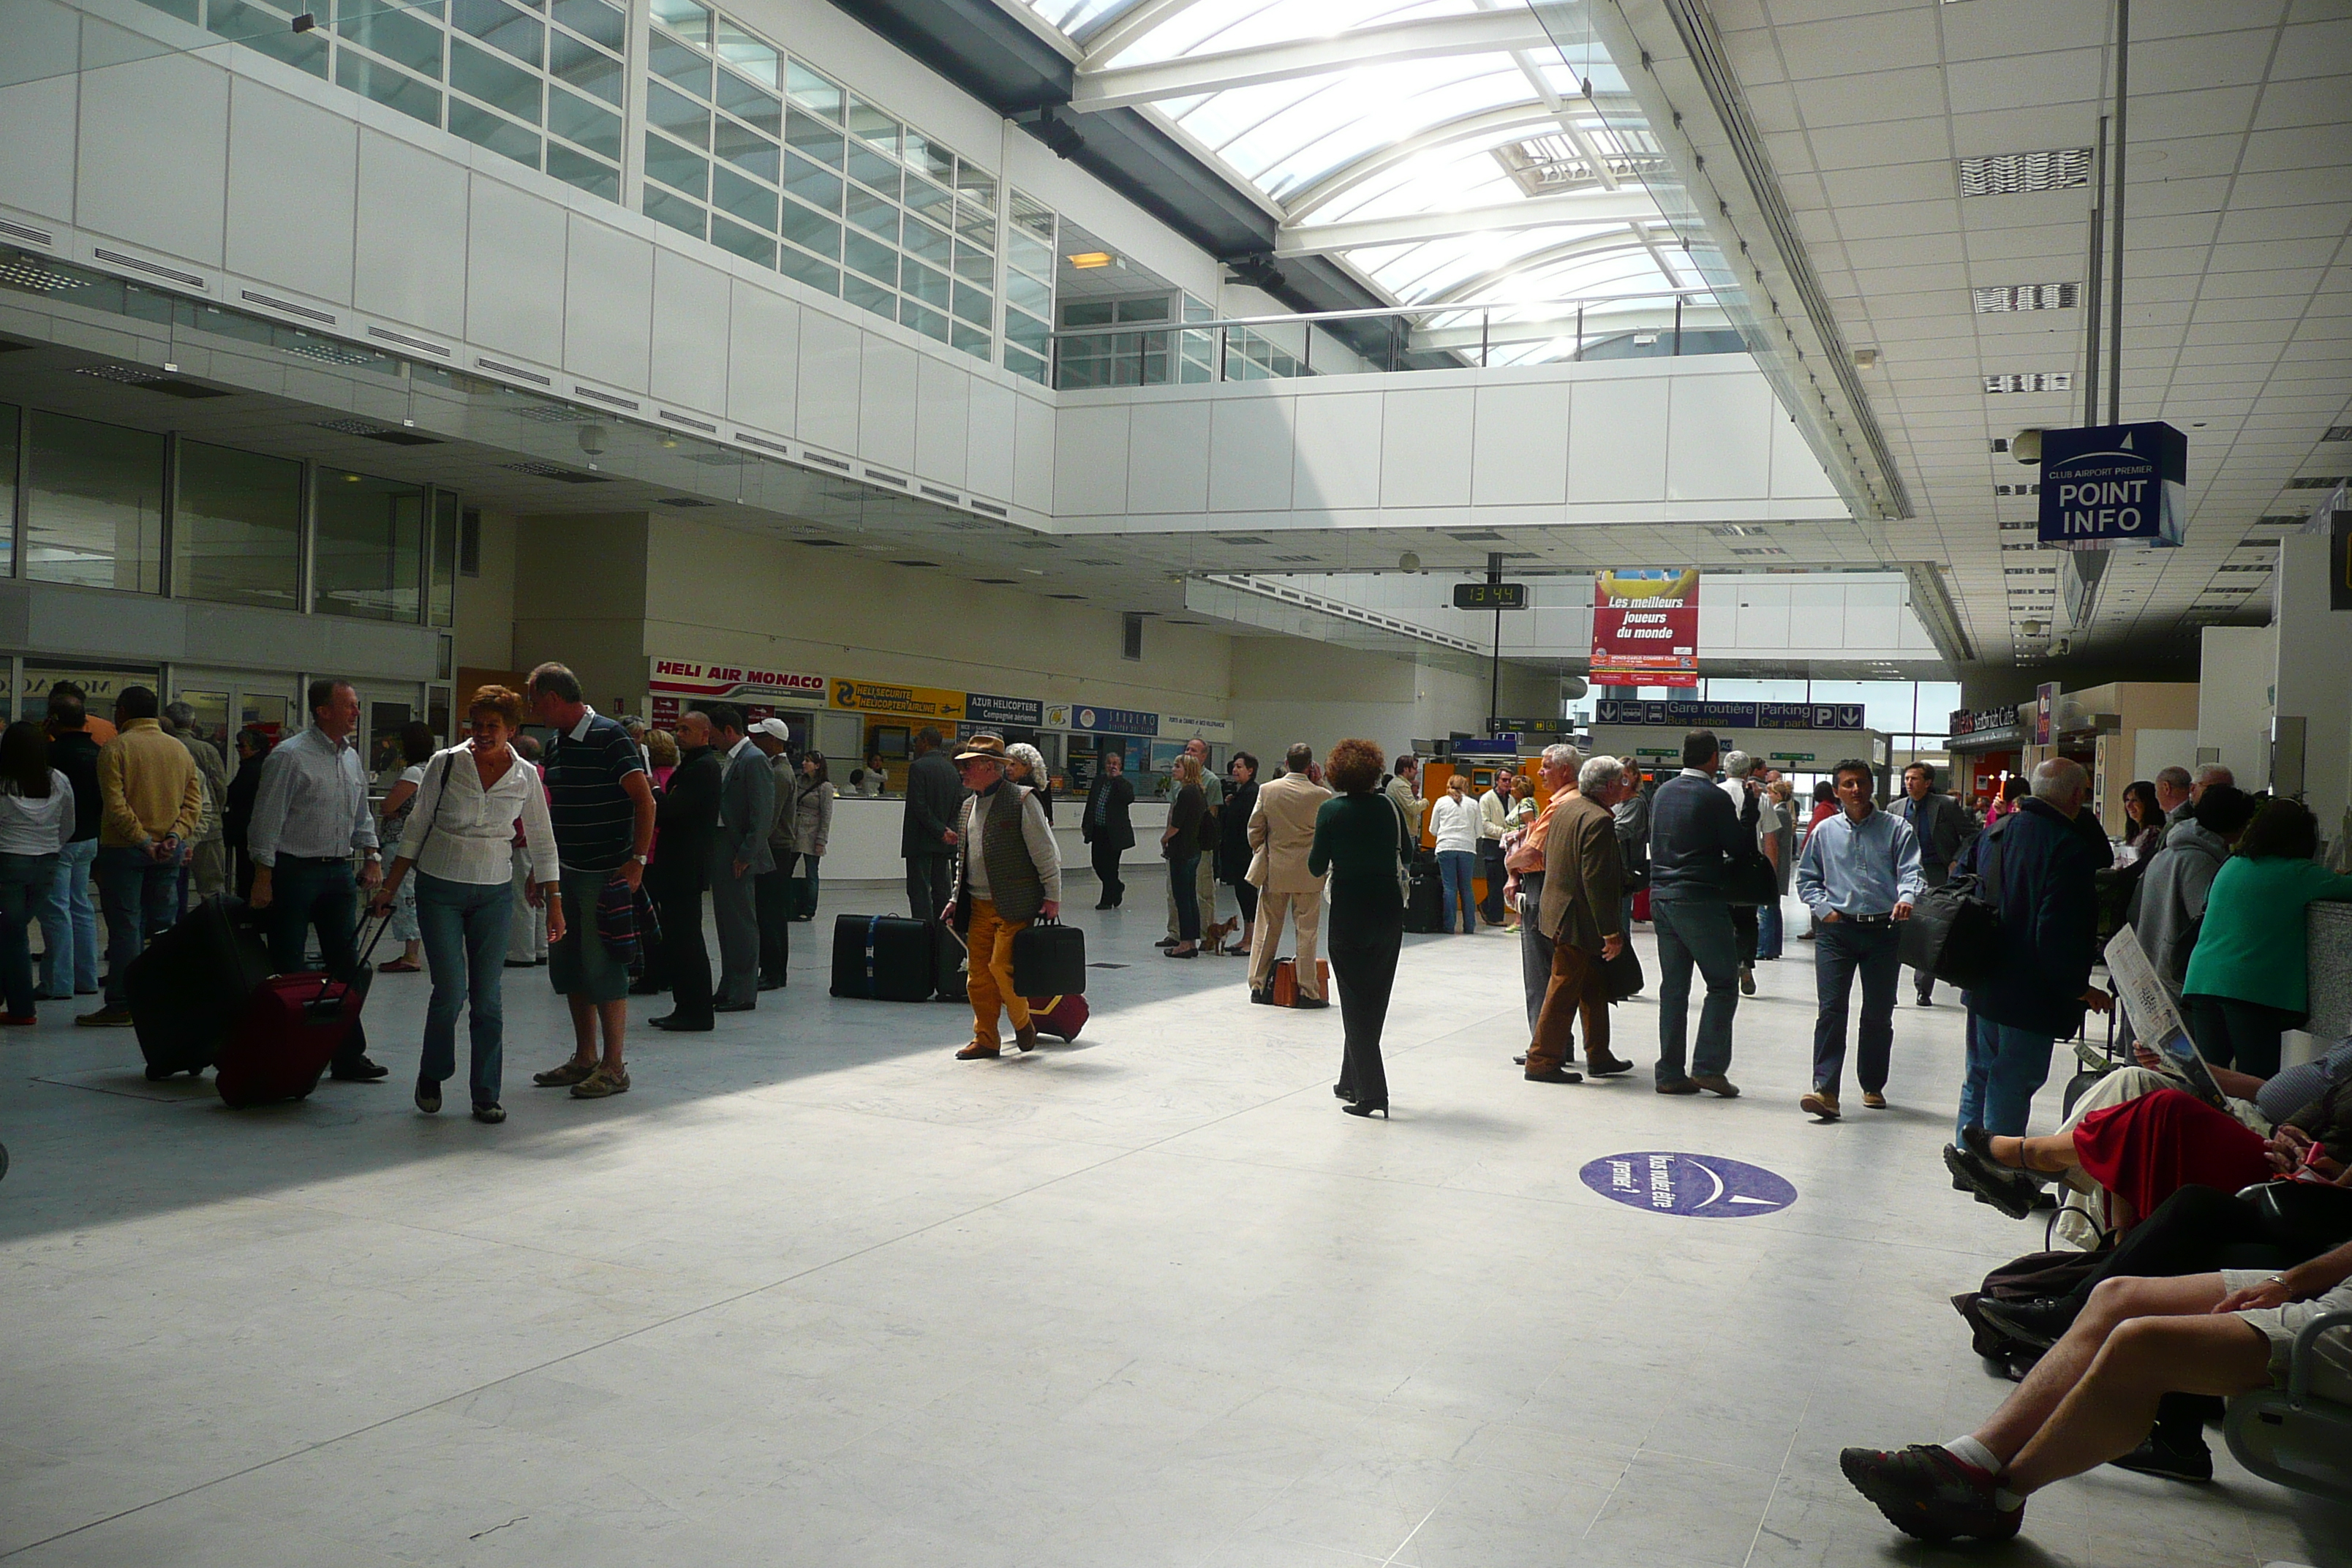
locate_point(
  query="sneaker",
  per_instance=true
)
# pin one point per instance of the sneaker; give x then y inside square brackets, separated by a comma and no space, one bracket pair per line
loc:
[1715,1083]
[428,1097]
[563,1077]
[2158,1457]
[105,1018]
[1927,1492]
[1819,1102]
[1873,1099]
[492,1113]
[602,1082]
[1747,980]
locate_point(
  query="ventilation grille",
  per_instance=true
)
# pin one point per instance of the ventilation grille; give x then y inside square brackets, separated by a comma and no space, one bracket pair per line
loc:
[881,477]
[1735,529]
[2017,174]
[550,471]
[611,399]
[705,425]
[1476,536]
[991,508]
[1295,557]
[388,437]
[778,447]
[1758,550]
[548,414]
[329,353]
[684,500]
[840,463]
[2327,483]
[2032,381]
[2017,489]
[1240,539]
[938,494]
[2027,296]
[150,381]
[405,340]
[25,231]
[499,367]
[288,306]
[154,268]
[2338,432]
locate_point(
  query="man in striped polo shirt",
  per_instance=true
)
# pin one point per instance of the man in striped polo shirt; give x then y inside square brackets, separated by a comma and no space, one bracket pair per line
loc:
[602,805]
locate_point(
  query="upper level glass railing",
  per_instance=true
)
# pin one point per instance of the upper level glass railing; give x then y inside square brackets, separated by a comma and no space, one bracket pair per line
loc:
[1135,342]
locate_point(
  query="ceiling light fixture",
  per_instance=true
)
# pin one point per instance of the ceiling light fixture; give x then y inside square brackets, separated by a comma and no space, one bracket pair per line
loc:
[2031,381]
[1089,261]
[2018,174]
[2027,297]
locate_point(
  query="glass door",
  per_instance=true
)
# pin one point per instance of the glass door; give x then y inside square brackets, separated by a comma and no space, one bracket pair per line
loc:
[229,700]
[385,712]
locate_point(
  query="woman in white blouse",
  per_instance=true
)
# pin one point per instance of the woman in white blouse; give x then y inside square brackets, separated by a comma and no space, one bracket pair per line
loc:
[37,821]
[1454,822]
[458,841]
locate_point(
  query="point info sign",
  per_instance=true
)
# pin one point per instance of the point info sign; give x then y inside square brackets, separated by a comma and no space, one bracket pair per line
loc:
[1645,628]
[2114,484]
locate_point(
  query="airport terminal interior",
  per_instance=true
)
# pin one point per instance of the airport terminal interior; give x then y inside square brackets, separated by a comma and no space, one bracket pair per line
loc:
[986,555]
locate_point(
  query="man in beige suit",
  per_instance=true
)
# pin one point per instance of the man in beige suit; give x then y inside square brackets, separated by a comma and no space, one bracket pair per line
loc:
[1580,913]
[1281,831]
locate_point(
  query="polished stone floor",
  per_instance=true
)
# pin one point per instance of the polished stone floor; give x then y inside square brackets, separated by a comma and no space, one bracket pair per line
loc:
[814,1293]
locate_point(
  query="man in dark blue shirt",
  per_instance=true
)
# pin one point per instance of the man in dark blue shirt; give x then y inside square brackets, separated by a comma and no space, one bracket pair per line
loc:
[602,805]
[1695,834]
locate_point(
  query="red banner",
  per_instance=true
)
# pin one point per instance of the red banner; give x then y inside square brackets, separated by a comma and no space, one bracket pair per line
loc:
[1645,628]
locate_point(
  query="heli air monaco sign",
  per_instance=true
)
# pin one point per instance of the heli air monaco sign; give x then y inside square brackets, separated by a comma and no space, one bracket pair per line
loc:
[1645,628]
[679,678]
[2114,484]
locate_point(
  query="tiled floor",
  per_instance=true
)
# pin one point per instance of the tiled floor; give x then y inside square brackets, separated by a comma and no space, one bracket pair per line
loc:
[815,1293]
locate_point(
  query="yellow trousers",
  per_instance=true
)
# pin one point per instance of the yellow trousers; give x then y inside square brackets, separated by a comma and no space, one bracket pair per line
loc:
[991,971]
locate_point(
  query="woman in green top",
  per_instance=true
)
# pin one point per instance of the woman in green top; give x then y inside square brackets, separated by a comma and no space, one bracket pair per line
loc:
[2246,984]
[1361,840]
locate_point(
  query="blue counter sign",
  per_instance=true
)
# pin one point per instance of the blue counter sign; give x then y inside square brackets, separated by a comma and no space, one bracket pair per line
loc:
[2114,484]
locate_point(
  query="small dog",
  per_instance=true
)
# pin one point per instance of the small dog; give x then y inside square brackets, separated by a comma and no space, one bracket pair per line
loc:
[1214,937]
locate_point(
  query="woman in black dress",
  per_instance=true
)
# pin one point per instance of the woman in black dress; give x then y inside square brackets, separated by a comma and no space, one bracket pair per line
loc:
[1234,845]
[1362,839]
[1181,845]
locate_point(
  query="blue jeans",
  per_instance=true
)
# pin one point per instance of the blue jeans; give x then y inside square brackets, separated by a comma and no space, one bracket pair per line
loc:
[2006,1065]
[140,895]
[1455,868]
[322,896]
[1695,932]
[24,884]
[70,924]
[1769,938]
[1877,952]
[464,927]
[1184,873]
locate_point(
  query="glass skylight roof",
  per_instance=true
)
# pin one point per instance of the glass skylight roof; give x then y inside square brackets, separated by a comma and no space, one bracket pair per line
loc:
[1304,101]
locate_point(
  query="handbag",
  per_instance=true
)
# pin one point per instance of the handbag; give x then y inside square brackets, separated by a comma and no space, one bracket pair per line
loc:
[2309,1217]
[1752,881]
[1621,976]
[1049,959]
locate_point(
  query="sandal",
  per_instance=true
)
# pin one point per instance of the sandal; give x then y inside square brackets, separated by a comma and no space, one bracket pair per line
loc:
[1978,1141]
[399,966]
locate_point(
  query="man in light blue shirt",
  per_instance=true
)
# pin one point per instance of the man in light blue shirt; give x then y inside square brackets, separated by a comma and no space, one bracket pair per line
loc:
[1859,874]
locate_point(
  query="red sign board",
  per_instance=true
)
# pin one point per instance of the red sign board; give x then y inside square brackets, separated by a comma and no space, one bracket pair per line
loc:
[1645,628]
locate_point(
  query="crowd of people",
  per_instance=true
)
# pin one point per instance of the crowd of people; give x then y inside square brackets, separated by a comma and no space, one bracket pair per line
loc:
[596,857]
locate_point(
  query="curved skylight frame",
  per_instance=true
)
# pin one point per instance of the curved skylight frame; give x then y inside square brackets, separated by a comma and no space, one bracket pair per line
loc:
[1356,111]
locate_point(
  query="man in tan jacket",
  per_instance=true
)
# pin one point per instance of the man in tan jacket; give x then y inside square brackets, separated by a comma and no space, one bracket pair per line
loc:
[152,802]
[1580,913]
[1281,832]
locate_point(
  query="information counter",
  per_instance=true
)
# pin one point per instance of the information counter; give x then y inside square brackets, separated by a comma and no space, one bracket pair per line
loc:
[866,839]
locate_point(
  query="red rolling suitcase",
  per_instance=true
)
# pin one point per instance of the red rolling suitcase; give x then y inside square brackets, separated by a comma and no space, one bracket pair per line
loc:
[1062,1016]
[292,1028]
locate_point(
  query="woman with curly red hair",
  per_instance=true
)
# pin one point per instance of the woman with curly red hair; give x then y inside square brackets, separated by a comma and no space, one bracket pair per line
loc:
[1362,839]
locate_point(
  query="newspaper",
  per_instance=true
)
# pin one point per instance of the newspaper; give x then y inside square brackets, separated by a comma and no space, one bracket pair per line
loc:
[2156,1020]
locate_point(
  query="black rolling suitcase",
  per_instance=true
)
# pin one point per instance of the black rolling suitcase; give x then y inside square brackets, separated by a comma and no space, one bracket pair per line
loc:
[191,985]
[1049,959]
[883,958]
[1425,904]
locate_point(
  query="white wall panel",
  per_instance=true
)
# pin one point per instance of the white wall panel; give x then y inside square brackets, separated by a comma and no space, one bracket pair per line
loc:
[1720,438]
[1520,455]
[36,110]
[1090,462]
[1795,471]
[1034,440]
[1425,446]
[291,219]
[886,402]
[1760,612]
[942,419]
[988,450]
[1874,611]
[690,304]
[832,366]
[1167,456]
[1335,452]
[1249,454]
[154,155]
[514,294]
[410,265]
[1617,447]
[763,337]
[1816,614]
[606,330]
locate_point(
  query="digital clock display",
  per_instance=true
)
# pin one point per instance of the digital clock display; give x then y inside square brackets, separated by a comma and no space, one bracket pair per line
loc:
[1490,595]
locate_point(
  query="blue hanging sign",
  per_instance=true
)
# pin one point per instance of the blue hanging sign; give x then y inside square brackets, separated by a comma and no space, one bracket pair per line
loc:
[1697,1186]
[1114,721]
[1722,716]
[1021,713]
[2114,484]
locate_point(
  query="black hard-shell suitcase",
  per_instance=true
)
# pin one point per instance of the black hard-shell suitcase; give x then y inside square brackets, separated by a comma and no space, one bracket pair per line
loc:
[191,985]
[1049,959]
[883,958]
[1425,904]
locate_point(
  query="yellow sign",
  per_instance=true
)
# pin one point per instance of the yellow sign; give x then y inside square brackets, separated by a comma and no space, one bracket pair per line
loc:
[907,701]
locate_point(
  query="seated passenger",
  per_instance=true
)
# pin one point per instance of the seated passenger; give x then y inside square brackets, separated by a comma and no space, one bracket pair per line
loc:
[2092,1397]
